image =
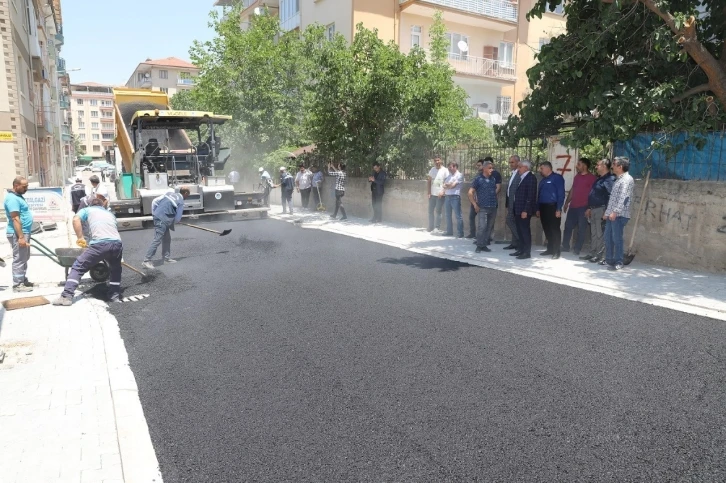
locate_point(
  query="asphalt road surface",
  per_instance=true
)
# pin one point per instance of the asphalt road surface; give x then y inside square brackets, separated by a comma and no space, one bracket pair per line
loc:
[284,354]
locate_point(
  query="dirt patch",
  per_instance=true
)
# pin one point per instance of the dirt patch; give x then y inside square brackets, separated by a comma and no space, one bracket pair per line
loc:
[259,245]
[16,352]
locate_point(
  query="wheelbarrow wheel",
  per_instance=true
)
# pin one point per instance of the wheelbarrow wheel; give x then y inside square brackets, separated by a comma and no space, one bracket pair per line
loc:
[100,272]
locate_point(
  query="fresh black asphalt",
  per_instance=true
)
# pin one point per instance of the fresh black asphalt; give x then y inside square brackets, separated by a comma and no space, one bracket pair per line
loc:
[279,353]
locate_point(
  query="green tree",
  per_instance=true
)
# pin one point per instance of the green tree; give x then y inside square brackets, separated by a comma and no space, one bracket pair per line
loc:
[626,67]
[77,146]
[257,76]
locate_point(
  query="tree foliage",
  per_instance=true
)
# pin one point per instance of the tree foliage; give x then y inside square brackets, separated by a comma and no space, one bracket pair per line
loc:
[359,103]
[626,67]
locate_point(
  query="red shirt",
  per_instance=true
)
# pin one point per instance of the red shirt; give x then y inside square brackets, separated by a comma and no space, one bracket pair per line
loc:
[581,186]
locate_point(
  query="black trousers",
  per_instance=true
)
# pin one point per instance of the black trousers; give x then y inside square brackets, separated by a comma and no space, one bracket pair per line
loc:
[551,226]
[339,203]
[524,232]
[377,199]
[305,197]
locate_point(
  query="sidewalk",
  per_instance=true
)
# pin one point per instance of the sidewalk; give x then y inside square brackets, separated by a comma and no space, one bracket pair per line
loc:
[69,406]
[692,292]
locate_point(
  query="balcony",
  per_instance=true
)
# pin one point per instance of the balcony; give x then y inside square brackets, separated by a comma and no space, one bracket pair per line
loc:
[188,81]
[499,15]
[481,67]
[42,120]
[64,103]
[66,134]
[61,66]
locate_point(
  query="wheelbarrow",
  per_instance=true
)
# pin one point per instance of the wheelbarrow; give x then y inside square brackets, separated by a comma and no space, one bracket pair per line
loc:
[66,257]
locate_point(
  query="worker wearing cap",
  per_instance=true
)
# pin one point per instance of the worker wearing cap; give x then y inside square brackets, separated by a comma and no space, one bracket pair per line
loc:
[105,245]
[166,209]
[287,187]
[78,192]
[266,181]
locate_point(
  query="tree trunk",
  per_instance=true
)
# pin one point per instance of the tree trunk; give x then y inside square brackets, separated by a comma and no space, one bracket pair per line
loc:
[715,70]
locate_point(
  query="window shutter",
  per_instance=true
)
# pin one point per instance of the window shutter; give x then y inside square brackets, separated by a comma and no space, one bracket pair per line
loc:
[491,52]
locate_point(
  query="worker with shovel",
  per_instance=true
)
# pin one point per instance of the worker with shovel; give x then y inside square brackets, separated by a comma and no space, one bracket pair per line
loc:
[166,209]
[105,245]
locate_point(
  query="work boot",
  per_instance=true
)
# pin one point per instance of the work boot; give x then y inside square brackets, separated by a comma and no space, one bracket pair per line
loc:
[63,301]
[21,287]
[115,299]
[148,265]
[169,260]
[28,283]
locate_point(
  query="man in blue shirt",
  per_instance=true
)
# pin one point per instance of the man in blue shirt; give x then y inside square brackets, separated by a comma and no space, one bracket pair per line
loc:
[472,213]
[317,184]
[166,209]
[105,245]
[551,198]
[20,223]
[483,198]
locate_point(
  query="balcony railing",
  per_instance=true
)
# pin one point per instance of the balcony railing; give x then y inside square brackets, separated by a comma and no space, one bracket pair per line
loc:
[290,23]
[61,66]
[188,81]
[501,9]
[64,103]
[482,67]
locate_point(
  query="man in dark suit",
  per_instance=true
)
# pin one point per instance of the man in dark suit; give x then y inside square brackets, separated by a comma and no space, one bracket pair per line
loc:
[525,206]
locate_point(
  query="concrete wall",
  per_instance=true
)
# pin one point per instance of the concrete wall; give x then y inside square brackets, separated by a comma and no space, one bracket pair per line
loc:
[682,223]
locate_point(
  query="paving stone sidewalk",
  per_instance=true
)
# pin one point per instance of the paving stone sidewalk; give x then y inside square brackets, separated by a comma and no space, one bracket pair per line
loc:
[687,291]
[69,406]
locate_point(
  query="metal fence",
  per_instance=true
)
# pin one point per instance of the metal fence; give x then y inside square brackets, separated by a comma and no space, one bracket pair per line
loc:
[683,156]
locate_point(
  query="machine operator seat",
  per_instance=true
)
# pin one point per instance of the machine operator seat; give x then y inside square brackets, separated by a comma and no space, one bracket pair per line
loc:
[152,147]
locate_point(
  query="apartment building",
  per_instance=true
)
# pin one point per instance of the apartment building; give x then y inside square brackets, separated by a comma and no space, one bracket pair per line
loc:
[30,99]
[491,42]
[92,118]
[169,75]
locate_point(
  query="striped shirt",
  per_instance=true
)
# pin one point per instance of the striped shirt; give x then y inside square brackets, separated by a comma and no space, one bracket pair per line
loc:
[340,179]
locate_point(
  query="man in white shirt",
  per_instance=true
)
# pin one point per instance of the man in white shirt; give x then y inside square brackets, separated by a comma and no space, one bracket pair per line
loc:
[304,184]
[435,193]
[452,191]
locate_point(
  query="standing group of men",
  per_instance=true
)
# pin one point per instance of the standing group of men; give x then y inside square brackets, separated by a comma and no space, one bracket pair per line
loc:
[602,202]
[599,204]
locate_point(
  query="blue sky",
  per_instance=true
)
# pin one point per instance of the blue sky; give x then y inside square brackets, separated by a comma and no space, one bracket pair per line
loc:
[109,38]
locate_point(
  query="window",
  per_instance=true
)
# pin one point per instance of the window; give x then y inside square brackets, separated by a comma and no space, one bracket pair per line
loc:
[330,31]
[96,148]
[185,75]
[165,90]
[559,9]
[107,136]
[95,137]
[83,148]
[416,32]
[506,54]
[454,51]
[504,106]
[82,137]
[94,125]
[543,42]
[106,126]
[79,102]
[93,102]
[105,103]
[81,114]
[288,9]
[81,125]
[107,114]
[163,74]
[94,113]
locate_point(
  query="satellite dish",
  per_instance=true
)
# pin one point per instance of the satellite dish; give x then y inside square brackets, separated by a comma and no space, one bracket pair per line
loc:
[463,46]
[257,11]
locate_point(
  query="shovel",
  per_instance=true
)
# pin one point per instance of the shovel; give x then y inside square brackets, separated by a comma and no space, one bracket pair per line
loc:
[143,275]
[220,233]
[628,258]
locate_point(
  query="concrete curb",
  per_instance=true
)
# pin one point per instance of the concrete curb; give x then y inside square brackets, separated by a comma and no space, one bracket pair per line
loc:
[138,457]
[650,299]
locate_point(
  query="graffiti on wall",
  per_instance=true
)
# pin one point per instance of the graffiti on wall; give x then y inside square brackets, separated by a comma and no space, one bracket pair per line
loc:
[668,215]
